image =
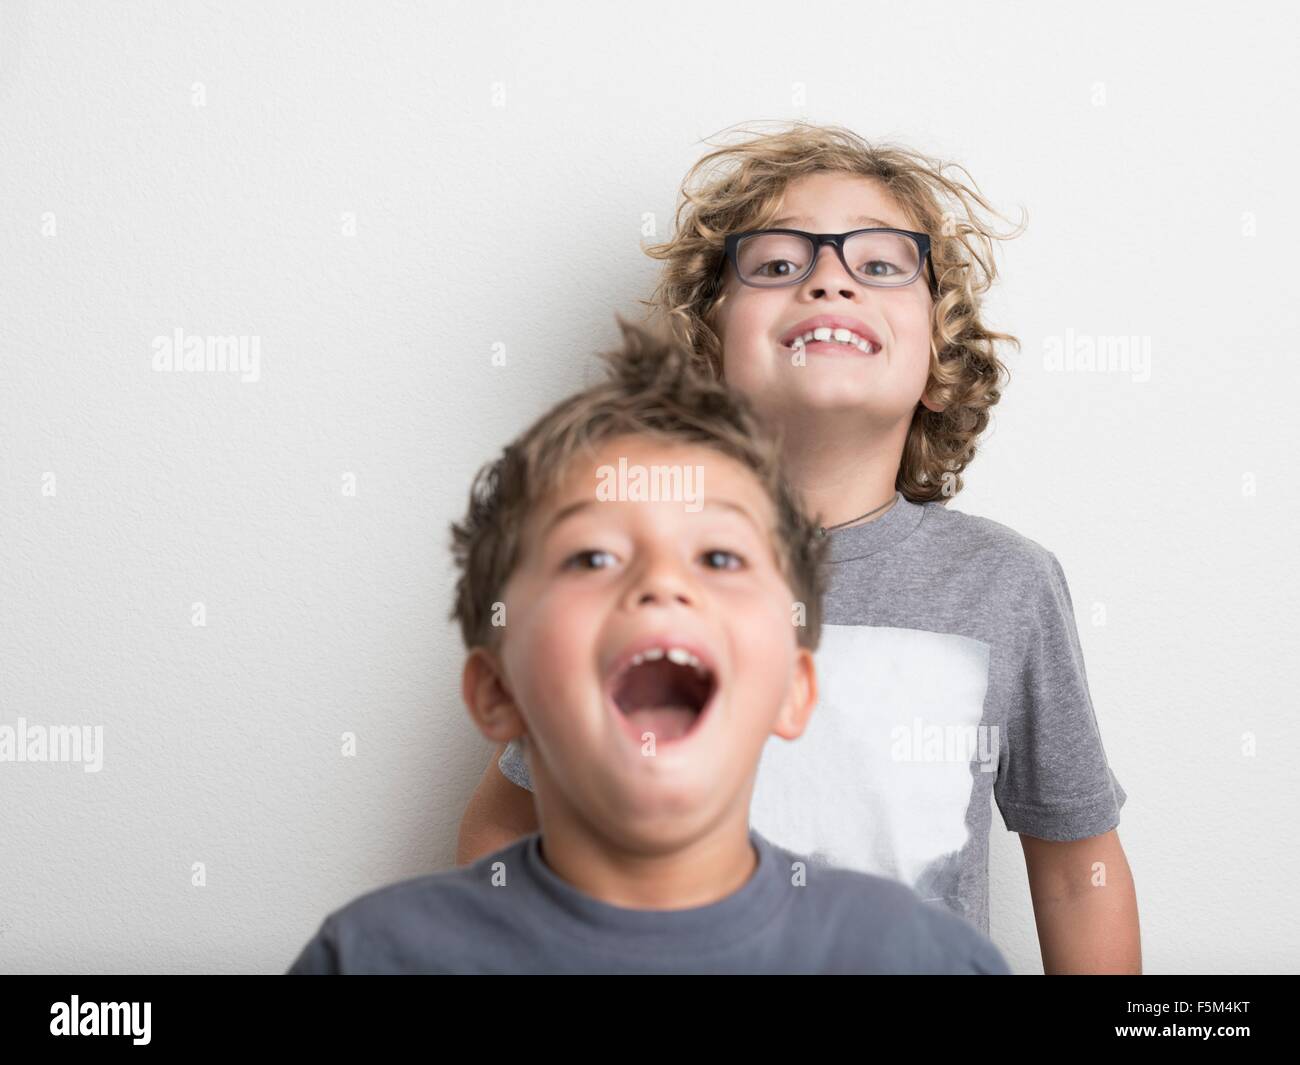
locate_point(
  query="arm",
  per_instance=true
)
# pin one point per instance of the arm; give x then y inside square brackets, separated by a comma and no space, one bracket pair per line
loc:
[498,813]
[1085,924]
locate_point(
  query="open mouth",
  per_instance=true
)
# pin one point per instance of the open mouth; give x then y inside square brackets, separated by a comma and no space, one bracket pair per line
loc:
[665,693]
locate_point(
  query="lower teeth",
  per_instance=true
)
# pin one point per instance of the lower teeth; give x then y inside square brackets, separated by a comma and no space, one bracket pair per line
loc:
[844,343]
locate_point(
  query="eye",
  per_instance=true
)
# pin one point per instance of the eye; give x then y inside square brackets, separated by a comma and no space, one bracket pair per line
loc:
[762,271]
[572,562]
[868,268]
[722,552]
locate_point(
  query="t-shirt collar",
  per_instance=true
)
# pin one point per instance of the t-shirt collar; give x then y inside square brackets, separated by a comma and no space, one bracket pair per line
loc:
[892,527]
[746,911]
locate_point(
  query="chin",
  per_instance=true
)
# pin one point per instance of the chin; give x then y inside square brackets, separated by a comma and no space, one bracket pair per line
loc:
[847,396]
[674,802]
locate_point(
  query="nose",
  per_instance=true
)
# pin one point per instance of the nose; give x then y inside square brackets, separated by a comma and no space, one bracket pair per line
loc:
[659,581]
[828,274]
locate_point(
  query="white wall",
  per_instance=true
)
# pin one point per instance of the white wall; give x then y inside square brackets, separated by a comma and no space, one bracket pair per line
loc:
[478,224]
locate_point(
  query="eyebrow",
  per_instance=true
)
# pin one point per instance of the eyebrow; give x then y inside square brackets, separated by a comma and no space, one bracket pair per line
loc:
[861,220]
[582,504]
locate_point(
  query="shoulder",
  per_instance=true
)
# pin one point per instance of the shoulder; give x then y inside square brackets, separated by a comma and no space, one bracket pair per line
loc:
[1024,569]
[404,925]
[882,925]
[943,942]
[976,534]
[848,896]
[436,891]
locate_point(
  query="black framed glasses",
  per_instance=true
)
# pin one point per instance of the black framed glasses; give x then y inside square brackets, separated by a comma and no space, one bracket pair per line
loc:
[774,258]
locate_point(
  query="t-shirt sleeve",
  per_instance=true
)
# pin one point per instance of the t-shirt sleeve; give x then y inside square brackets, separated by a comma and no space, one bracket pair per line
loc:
[513,766]
[320,957]
[1053,779]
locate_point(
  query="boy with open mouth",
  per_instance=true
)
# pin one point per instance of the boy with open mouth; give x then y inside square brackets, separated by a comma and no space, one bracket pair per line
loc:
[643,644]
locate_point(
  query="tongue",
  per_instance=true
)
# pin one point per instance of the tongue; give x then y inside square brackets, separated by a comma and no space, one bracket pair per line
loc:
[666,722]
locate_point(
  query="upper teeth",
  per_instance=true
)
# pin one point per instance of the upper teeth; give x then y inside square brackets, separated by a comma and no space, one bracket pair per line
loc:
[843,336]
[679,655]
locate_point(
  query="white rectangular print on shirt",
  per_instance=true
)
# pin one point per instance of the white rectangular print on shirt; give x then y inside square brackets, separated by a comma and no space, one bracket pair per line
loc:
[881,780]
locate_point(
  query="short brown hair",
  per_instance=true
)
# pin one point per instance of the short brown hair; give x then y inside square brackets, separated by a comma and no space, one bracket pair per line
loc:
[651,388]
[739,186]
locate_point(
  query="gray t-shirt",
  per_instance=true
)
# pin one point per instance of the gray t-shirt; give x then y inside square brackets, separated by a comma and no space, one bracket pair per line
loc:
[949,670]
[509,912]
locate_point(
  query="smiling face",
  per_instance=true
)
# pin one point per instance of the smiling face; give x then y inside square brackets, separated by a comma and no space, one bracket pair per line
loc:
[628,617]
[753,323]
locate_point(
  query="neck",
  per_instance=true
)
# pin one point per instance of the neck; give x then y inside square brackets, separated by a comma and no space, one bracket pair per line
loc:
[672,873]
[841,475]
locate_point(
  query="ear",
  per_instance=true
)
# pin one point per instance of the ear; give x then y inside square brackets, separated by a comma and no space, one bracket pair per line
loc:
[489,701]
[928,402]
[798,708]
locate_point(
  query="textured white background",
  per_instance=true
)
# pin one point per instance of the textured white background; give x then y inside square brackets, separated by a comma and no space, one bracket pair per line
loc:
[520,225]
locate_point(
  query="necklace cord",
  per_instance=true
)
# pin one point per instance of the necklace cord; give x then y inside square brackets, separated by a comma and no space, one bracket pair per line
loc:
[822,530]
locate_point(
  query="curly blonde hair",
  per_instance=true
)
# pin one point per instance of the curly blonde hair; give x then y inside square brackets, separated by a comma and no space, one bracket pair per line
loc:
[740,186]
